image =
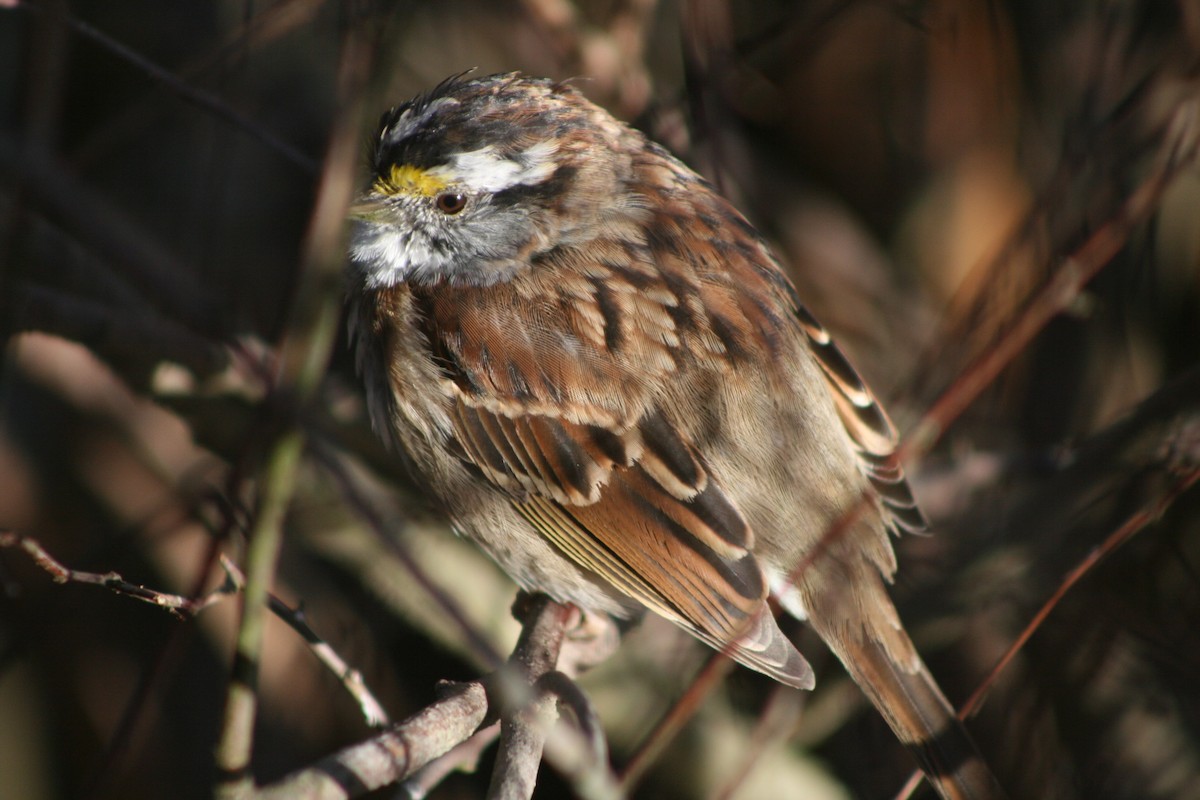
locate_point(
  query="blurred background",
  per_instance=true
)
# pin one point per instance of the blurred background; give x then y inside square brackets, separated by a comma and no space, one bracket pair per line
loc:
[924,169]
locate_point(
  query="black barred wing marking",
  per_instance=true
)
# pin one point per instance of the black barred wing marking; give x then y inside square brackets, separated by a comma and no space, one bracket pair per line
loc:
[871,432]
[640,510]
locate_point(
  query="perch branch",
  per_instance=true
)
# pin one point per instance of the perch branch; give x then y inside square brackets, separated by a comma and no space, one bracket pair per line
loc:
[530,691]
[390,756]
[524,723]
[422,748]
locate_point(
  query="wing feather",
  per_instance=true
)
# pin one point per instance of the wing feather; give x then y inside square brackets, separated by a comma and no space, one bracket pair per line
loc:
[565,420]
[871,433]
[659,528]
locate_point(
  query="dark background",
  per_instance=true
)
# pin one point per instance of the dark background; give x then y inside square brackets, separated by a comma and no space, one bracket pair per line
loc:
[923,168]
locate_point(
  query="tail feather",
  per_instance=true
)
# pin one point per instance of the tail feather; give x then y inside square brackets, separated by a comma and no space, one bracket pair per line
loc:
[909,699]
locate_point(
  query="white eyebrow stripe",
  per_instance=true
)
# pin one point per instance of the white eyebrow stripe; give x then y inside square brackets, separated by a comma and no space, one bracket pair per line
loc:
[483,170]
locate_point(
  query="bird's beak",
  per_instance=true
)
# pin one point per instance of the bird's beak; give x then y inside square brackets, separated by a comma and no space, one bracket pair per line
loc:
[367,208]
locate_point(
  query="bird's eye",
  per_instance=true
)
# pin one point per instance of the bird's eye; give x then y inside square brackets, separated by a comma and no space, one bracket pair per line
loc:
[450,202]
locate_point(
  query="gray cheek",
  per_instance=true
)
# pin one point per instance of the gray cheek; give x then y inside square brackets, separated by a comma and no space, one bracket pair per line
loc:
[501,234]
[480,248]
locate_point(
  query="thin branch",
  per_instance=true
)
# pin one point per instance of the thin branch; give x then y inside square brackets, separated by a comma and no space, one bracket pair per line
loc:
[203,100]
[350,678]
[177,604]
[304,355]
[524,723]
[463,757]
[186,607]
[391,756]
[528,712]
[163,281]
[1144,516]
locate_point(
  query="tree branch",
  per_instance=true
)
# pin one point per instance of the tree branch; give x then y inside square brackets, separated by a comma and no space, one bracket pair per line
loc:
[304,356]
[390,756]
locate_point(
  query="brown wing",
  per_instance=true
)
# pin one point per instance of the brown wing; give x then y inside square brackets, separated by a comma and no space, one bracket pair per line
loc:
[871,432]
[564,419]
[745,273]
[641,511]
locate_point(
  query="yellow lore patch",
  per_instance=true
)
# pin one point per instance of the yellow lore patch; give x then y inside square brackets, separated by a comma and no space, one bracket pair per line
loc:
[405,179]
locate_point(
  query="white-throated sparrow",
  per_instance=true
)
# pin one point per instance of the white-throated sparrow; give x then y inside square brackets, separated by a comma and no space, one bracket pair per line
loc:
[600,371]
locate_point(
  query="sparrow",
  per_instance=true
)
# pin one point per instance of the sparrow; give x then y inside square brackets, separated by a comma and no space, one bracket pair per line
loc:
[600,372]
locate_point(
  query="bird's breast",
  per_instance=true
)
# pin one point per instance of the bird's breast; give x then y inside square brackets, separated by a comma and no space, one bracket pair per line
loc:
[408,396]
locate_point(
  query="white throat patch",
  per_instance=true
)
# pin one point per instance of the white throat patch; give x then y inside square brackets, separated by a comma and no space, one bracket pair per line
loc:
[383,255]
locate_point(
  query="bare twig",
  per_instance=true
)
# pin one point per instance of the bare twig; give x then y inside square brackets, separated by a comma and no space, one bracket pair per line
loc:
[304,355]
[183,606]
[1144,516]
[524,724]
[198,97]
[350,678]
[578,754]
[463,757]
[390,756]
[176,604]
